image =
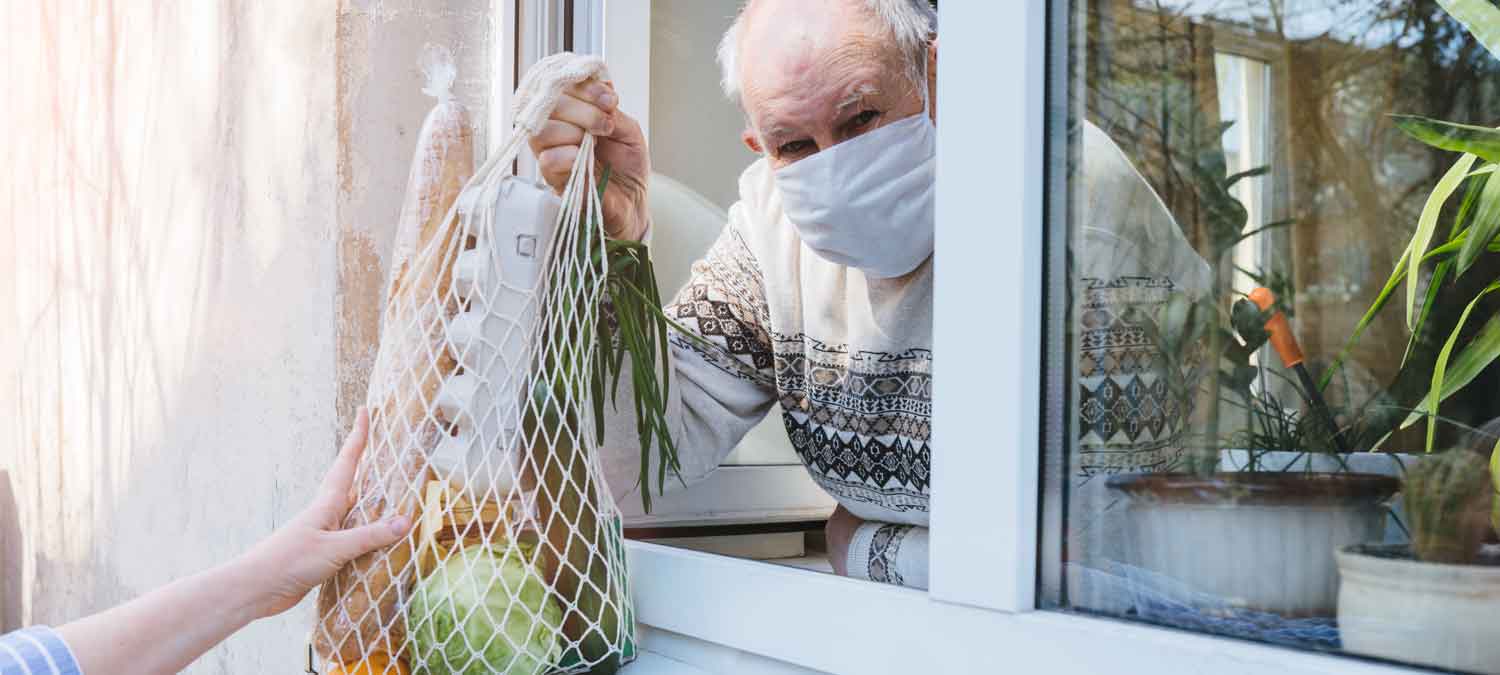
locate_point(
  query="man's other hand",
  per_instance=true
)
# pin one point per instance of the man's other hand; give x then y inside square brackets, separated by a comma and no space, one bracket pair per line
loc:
[593,107]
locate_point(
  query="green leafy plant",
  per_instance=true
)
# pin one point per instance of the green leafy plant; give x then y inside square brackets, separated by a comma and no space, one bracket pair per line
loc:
[1227,224]
[1270,424]
[1230,339]
[630,334]
[1274,424]
[1471,234]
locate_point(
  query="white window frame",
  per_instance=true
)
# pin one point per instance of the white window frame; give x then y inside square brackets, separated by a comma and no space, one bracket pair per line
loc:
[980,615]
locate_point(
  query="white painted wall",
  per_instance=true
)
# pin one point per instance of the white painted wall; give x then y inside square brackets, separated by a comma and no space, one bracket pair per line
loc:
[169,348]
[182,185]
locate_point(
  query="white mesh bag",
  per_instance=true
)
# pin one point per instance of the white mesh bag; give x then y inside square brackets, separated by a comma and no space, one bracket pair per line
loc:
[483,422]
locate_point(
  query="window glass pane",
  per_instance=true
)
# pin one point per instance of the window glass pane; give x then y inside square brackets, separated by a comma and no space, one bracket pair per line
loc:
[1219,467]
[758,503]
[698,159]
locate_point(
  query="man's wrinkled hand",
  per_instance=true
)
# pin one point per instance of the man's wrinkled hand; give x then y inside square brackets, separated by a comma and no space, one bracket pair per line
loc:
[593,107]
[311,547]
[839,532]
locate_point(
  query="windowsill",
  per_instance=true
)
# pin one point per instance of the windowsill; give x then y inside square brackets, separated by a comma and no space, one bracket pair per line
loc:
[798,550]
[813,562]
[665,653]
[735,494]
[651,663]
[785,613]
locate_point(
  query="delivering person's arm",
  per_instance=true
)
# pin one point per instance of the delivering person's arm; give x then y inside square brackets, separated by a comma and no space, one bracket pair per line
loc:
[168,628]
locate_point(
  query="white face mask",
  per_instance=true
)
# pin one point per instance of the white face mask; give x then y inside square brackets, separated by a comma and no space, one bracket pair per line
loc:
[868,202]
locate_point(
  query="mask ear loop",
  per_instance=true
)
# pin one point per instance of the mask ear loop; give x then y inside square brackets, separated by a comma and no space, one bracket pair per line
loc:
[926,82]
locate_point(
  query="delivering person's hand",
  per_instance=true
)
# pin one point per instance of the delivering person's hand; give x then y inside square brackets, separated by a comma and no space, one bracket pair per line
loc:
[311,548]
[593,106]
[165,630]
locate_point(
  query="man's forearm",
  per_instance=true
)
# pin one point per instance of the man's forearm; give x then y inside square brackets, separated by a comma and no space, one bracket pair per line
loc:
[166,629]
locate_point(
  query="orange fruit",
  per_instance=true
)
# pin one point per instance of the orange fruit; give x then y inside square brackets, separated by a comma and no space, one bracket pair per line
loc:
[378,664]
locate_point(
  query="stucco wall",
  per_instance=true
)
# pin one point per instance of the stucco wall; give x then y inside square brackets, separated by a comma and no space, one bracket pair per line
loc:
[380,112]
[194,204]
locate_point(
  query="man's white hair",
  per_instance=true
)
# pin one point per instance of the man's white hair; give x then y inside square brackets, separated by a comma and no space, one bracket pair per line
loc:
[911,22]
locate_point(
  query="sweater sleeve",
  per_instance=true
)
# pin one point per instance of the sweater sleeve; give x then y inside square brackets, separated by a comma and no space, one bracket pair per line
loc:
[889,554]
[722,379]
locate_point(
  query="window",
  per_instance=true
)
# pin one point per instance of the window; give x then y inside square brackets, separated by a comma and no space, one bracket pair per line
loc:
[1244,96]
[1004,151]
[1233,180]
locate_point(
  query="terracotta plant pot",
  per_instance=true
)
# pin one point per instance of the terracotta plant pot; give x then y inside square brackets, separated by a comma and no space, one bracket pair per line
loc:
[1393,606]
[1254,541]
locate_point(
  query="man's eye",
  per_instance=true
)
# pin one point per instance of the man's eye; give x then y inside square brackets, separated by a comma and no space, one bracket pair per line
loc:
[863,119]
[794,148]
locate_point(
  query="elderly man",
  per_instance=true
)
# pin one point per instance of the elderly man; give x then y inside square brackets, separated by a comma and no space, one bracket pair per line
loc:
[818,293]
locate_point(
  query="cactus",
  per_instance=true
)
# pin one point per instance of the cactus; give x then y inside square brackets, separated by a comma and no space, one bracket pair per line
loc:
[1448,500]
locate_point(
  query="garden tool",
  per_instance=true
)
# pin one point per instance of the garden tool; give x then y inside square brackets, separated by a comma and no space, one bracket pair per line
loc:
[1285,344]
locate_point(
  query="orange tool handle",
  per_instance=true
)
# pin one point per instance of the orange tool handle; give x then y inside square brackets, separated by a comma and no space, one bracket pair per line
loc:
[1281,332]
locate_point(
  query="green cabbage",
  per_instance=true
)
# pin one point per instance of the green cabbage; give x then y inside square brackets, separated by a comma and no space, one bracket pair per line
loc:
[485,610]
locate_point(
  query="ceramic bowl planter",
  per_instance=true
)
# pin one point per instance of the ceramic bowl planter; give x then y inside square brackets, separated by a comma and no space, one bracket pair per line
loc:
[1392,606]
[1393,464]
[1259,541]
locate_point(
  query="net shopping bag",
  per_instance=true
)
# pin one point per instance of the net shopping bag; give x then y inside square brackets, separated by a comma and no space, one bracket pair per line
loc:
[484,422]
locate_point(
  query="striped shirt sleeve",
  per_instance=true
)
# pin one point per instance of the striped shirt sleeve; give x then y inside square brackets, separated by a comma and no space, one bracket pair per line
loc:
[38,650]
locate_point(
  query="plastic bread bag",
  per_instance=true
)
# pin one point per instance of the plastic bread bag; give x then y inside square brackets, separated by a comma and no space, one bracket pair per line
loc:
[359,608]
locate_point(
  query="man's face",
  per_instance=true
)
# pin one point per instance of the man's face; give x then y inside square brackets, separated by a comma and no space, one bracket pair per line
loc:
[815,75]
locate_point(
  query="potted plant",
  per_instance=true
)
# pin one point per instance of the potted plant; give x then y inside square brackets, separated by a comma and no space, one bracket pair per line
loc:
[1244,527]
[1433,602]
[1277,441]
[1256,539]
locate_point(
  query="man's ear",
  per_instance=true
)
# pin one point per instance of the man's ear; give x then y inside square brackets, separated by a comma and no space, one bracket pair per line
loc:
[751,141]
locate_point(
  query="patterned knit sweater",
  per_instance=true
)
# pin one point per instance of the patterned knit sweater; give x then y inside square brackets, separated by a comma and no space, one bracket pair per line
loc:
[848,358]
